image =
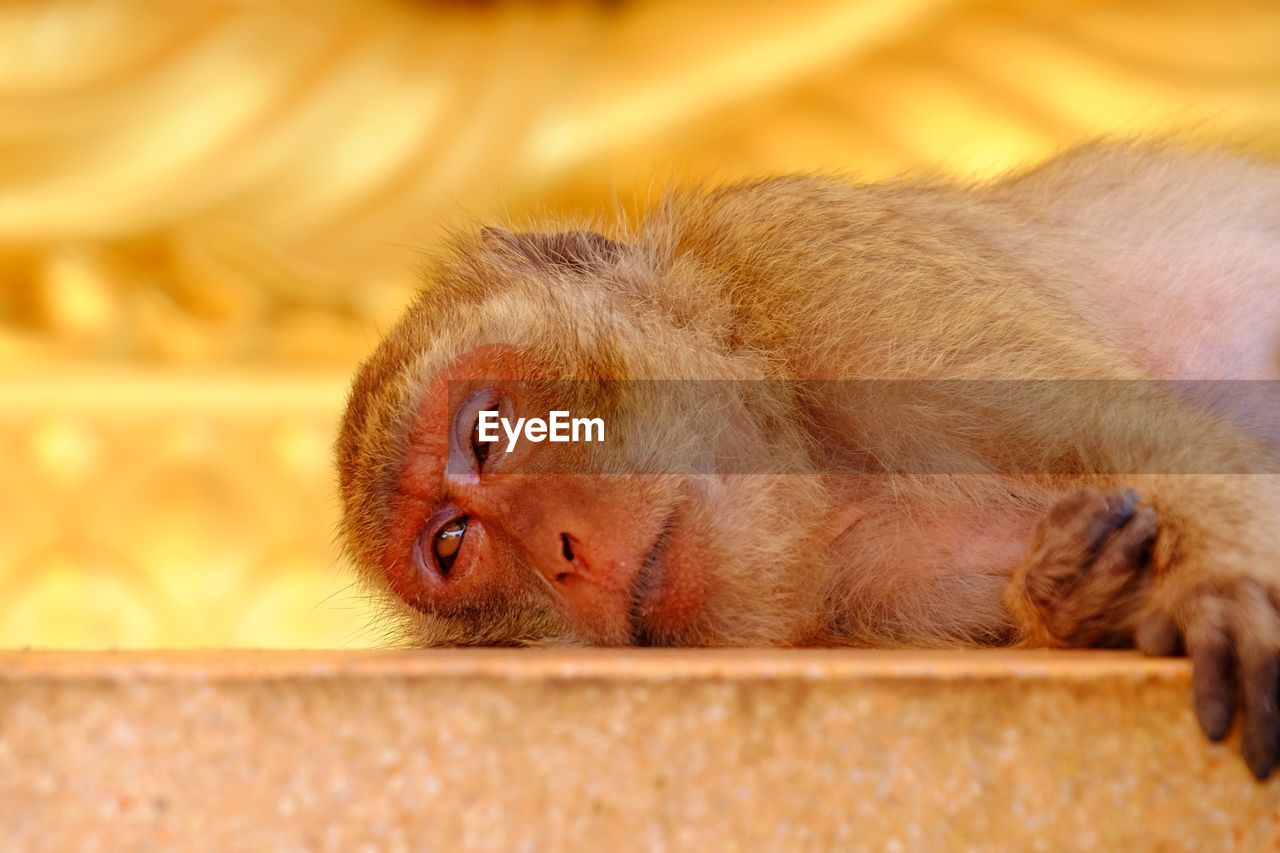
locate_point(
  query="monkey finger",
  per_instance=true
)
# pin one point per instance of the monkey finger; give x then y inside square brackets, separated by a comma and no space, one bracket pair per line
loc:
[1213,683]
[1114,511]
[1259,680]
[1135,541]
[1122,562]
[1212,668]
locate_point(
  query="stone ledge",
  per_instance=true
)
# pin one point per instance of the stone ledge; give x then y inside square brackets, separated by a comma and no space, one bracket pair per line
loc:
[642,748]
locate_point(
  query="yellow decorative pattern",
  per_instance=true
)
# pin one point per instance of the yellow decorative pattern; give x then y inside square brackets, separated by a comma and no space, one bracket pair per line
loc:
[194,193]
[171,511]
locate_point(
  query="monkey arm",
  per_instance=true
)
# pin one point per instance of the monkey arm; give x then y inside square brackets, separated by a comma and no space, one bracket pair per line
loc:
[870,283]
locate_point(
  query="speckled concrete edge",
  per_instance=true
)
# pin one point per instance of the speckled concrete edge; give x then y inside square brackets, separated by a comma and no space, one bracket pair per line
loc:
[622,664]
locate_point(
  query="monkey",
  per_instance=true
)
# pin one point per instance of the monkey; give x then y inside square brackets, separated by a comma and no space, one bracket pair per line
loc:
[909,413]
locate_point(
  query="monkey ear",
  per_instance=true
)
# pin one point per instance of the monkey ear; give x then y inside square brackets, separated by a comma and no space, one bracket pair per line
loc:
[576,251]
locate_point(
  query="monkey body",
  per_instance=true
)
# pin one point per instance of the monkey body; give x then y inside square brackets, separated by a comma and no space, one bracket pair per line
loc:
[1108,264]
[1089,507]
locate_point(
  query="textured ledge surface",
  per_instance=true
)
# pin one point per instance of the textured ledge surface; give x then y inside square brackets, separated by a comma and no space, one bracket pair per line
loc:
[645,749]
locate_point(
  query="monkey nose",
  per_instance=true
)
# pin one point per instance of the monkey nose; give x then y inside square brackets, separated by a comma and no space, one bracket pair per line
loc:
[565,563]
[568,557]
[589,587]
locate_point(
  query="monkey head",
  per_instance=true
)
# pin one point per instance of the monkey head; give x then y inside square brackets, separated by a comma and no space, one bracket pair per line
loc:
[658,535]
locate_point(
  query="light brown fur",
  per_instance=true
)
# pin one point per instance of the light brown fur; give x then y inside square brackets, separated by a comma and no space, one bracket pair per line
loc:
[1112,263]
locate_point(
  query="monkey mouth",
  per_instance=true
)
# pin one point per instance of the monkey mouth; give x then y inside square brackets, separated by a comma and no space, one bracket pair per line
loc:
[647,583]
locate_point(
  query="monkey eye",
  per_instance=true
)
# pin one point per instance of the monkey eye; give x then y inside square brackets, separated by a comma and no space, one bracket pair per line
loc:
[479,449]
[447,542]
[465,430]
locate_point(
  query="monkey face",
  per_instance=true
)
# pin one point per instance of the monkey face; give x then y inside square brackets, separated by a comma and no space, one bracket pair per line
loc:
[483,534]
[641,538]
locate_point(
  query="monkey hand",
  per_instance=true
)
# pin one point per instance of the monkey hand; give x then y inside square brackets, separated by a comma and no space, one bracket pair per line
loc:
[1086,573]
[1088,580]
[1229,624]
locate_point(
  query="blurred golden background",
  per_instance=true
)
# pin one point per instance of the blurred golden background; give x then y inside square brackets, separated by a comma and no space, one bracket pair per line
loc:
[208,210]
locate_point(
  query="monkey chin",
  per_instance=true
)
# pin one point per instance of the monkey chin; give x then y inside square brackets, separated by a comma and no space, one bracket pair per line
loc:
[712,582]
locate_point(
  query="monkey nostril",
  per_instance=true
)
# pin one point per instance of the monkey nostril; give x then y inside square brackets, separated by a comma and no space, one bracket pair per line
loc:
[566,547]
